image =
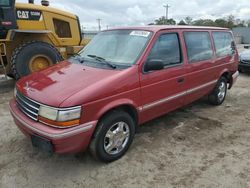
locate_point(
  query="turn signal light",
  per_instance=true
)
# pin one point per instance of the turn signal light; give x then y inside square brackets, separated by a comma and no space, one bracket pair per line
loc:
[63,124]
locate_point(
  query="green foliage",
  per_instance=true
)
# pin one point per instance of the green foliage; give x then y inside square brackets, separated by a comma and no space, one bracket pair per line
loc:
[188,20]
[205,22]
[221,22]
[163,21]
[228,22]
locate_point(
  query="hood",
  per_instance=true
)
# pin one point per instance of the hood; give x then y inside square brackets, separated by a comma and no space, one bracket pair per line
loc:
[54,85]
[245,55]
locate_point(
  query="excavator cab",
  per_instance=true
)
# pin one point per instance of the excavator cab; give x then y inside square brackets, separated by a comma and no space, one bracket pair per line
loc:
[7,17]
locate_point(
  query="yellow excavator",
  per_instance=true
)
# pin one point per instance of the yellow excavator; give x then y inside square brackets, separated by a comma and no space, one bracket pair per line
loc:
[33,37]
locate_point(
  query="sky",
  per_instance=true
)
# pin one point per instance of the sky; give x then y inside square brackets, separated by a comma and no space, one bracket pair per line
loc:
[115,13]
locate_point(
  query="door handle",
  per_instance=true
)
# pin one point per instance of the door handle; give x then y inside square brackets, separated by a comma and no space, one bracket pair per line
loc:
[180,80]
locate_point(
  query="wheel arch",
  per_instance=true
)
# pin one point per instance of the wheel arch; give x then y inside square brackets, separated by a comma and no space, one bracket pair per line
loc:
[39,35]
[124,105]
[96,146]
[228,75]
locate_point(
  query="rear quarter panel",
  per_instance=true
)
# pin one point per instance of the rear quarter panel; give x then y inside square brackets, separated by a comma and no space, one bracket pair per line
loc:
[226,63]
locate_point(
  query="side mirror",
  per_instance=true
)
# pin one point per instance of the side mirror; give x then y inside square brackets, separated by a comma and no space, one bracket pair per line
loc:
[233,47]
[153,64]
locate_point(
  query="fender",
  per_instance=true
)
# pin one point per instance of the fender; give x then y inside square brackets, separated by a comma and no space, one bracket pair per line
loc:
[225,70]
[115,104]
[14,31]
[54,40]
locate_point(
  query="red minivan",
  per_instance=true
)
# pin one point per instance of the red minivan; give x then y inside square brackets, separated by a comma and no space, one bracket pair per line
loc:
[121,79]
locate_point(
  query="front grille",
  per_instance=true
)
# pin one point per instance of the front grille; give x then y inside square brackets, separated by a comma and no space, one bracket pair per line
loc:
[29,107]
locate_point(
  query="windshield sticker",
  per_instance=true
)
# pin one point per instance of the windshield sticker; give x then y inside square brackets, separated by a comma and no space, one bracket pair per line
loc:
[140,33]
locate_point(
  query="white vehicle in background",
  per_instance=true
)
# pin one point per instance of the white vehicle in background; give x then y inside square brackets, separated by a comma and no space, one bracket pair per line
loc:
[244,60]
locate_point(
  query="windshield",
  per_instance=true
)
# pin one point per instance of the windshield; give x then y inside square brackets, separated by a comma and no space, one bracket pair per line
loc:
[119,47]
[5,3]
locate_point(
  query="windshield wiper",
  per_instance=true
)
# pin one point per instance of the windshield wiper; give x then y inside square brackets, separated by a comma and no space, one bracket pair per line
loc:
[102,60]
[78,58]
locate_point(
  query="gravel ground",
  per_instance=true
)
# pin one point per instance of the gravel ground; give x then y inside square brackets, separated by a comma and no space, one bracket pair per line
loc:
[196,146]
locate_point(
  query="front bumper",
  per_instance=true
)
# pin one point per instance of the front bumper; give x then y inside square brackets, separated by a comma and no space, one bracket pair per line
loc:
[70,140]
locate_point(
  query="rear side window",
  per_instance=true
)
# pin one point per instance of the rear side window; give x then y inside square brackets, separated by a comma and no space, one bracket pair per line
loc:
[62,28]
[223,43]
[167,49]
[198,45]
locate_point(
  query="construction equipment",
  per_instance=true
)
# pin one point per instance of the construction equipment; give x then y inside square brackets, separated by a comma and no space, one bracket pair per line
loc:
[33,37]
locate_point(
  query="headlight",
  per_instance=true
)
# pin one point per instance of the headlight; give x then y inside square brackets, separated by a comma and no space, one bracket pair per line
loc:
[59,117]
[65,115]
[49,113]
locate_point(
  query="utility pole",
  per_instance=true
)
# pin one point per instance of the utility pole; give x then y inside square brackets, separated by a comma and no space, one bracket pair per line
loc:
[99,24]
[166,7]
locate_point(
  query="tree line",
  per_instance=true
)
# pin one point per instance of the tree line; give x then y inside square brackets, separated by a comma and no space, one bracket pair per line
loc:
[227,22]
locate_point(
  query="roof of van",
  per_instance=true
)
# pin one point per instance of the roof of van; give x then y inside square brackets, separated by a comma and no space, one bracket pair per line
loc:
[156,28]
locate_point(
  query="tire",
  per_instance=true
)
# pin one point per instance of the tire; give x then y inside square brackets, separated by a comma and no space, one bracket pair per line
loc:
[218,95]
[24,55]
[107,131]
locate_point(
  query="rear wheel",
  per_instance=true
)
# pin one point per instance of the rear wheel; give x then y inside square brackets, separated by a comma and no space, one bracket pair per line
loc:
[33,56]
[113,136]
[218,95]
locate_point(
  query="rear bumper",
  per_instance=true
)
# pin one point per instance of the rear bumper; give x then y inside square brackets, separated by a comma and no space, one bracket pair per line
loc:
[69,140]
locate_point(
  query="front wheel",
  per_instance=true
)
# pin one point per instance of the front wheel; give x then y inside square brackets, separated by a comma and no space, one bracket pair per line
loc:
[114,135]
[218,95]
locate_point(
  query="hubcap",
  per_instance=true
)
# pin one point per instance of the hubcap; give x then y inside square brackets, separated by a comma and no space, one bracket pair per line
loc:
[222,91]
[116,138]
[39,62]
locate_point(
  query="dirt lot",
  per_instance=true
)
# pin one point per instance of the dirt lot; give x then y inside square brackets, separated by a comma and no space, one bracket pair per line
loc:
[196,146]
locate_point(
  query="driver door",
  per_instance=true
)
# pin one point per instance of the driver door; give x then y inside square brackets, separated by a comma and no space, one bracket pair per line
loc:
[163,90]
